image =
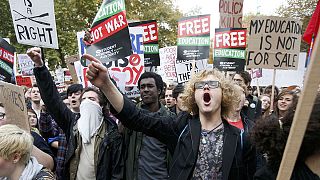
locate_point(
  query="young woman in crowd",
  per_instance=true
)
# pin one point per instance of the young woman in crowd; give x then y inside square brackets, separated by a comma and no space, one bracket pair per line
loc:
[16,161]
[270,136]
[284,101]
[265,105]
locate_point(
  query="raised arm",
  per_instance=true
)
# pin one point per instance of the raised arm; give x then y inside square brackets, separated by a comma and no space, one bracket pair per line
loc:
[98,75]
[49,92]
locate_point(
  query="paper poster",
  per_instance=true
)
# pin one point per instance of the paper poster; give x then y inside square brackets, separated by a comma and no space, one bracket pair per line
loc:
[229,49]
[110,38]
[6,60]
[150,42]
[168,56]
[34,22]
[193,38]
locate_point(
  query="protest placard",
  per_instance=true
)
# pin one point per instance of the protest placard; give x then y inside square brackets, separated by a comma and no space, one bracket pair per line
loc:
[71,66]
[168,56]
[255,73]
[110,38]
[24,81]
[274,43]
[34,22]
[12,97]
[185,70]
[150,42]
[133,65]
[25,64]
[193,38]
[229,49]
[230,13]
[6,60]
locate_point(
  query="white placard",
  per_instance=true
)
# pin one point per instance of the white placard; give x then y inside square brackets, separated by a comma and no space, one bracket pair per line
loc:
[34,22]
[168,56]
[184,69]
[25,64]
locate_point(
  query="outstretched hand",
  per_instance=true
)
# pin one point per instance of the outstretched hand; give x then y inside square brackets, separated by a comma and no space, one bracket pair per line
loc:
[97,73]
[35,55]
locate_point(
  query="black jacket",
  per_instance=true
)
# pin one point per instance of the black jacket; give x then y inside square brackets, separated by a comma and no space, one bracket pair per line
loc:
[253,110]
[110,160]
[182,138]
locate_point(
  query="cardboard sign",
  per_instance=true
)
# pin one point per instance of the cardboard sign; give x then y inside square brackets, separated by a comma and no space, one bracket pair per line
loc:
[150,42]
[168,56]
[274,43]
[24,81]
[109,32]
[184,69]
[193,38]
[6,60]
[25,64]
[34,22]
[133,65]
[230,13]
[12,97]
[229,49]
[71,66]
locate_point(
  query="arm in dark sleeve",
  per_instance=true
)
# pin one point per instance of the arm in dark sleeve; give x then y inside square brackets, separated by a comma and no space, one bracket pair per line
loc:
[51,98]
[117,159]
[258,110]
[150,123]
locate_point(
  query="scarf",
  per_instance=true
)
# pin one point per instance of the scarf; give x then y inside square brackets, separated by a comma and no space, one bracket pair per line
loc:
[31,170]
[91,118]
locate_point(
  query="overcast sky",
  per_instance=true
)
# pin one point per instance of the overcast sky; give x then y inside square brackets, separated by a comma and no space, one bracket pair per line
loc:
[267,7]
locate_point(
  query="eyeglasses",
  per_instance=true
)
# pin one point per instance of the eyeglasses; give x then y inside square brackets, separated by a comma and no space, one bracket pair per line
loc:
[2,115]
[202,84]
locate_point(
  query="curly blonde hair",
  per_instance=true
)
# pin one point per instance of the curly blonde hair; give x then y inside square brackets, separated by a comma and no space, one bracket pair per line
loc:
[230,94]
[15,140]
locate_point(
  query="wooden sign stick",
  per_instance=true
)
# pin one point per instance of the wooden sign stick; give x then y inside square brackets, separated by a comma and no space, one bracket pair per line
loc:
[302,114]
[272,90]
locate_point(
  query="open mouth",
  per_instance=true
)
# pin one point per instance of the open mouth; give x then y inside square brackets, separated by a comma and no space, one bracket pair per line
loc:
[73,102]
[206,97]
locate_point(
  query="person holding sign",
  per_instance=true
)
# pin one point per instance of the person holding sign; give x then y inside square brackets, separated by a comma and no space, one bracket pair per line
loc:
[94,143]
[16,161]
[203,144]
[270,136]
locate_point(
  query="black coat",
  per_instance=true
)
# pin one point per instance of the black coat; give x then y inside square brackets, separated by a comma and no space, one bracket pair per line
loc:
[182,137]
[110,160]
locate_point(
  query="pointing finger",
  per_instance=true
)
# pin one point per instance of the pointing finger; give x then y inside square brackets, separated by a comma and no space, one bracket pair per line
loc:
[91,58]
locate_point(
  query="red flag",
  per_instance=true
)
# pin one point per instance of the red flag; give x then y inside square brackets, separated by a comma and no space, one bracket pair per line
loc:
[313,26]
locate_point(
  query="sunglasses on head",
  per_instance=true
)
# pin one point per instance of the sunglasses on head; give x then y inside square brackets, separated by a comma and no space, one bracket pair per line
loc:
[202,84]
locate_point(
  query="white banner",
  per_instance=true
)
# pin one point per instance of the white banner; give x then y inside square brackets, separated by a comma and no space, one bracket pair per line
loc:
[34,22]
[184,69]
[25,64]
[168,56]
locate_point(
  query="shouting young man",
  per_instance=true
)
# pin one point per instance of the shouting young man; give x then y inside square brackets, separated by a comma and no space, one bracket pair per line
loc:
[203,144]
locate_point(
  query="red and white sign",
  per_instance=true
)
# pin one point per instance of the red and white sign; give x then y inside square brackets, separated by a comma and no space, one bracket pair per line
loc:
[168,56]
[194,27]
[230,39]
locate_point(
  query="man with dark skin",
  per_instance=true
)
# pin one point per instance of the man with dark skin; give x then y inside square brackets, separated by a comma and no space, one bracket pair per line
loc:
[146,157]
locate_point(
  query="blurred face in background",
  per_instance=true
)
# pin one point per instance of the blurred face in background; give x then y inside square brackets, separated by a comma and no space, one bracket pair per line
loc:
[32,117]
[3,117]
[265,100]
[74,101]
[35,95]
[170,101]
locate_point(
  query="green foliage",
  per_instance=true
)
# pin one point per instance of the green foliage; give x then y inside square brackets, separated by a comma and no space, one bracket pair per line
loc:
[299,9]
[73,16]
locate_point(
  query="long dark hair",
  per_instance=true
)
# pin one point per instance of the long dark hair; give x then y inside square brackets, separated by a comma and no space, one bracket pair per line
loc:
[270,137]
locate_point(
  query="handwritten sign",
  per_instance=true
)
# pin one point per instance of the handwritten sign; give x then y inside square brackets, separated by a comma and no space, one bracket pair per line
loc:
[184,69]
[25,64]
[168,56]
[12,97]
[34,22]
[230,13]
[274,43]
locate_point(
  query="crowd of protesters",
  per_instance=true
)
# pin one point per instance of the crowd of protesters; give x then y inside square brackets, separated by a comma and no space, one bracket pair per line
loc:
[212,127]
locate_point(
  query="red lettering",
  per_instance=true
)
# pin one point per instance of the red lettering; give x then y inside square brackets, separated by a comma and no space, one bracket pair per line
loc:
[195,26]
